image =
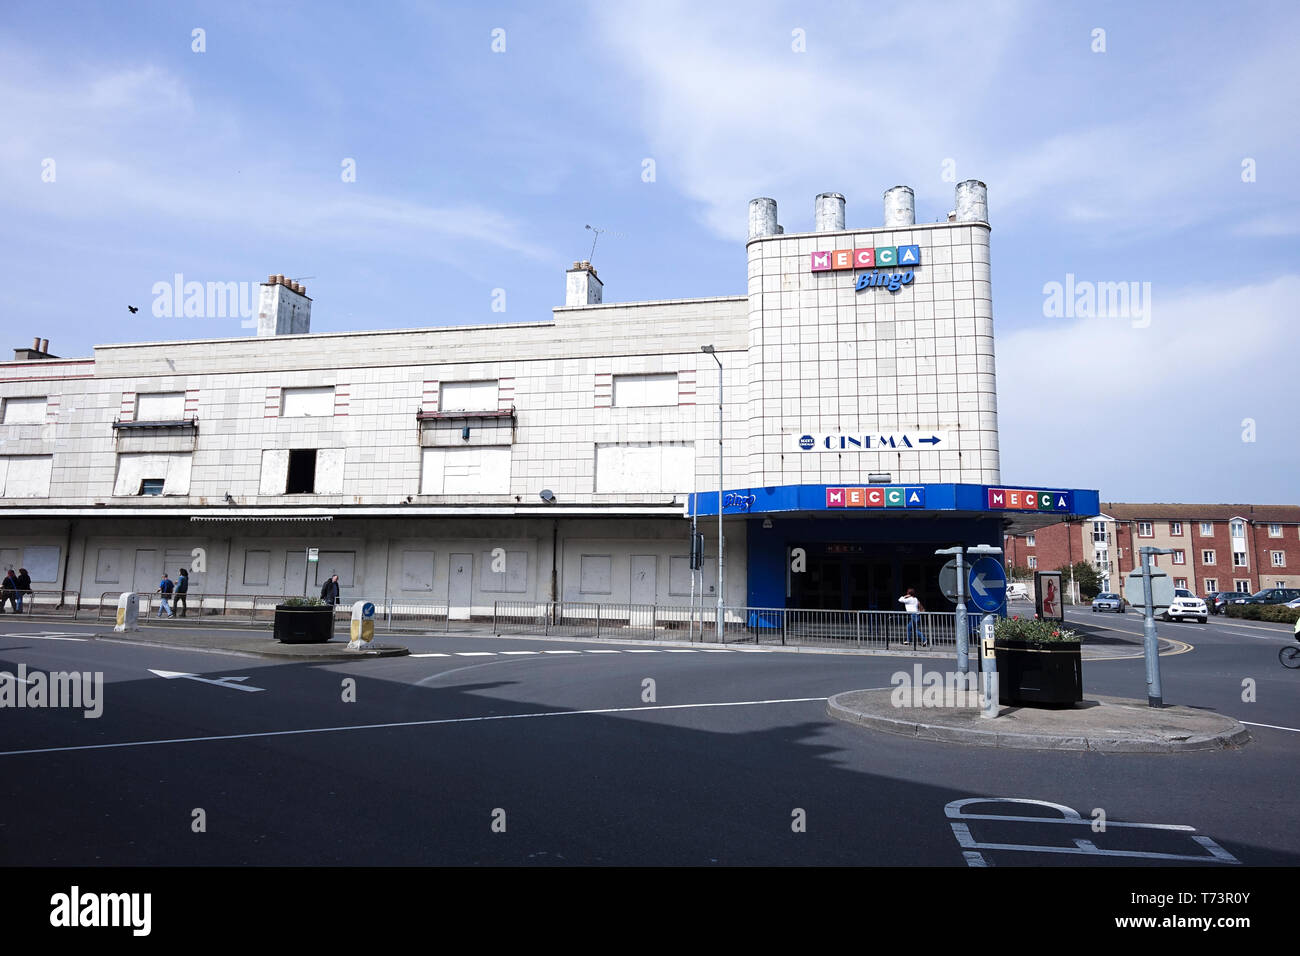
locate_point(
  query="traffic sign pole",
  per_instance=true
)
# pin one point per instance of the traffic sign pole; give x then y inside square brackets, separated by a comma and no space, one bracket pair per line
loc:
[963,634]
[1150,644]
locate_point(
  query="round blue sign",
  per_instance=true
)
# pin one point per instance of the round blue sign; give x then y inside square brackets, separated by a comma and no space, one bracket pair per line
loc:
[987,584]
[367,610]
[806,442]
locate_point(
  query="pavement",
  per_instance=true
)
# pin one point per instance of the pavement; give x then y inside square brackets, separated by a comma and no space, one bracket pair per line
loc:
[1103,724]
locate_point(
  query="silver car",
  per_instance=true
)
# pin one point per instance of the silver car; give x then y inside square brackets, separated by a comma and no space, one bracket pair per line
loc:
[1108,601]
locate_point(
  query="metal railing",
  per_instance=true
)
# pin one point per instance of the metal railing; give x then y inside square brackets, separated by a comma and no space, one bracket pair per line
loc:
[196,607]
[43,603]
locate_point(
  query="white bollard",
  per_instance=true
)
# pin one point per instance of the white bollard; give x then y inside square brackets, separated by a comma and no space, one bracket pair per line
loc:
[363,625]
[989,670]
[128,612]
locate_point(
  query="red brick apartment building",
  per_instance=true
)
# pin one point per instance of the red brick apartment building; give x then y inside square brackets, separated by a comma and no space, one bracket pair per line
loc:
[1216,547]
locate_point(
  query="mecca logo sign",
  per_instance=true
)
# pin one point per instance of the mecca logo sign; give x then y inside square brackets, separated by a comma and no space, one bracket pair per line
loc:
[1019,499]
[880,257]
[876,496]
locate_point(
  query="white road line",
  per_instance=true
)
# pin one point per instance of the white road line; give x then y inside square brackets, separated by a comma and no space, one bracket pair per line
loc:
[677,650]
[602,652]
[715,650]
[640,651]
[1293,730]
[512,653]
[416,723]
[475,653]
[561,652]
[45,637]
[432,655]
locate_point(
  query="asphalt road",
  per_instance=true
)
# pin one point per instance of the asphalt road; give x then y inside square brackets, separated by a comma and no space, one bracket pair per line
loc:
[513,751]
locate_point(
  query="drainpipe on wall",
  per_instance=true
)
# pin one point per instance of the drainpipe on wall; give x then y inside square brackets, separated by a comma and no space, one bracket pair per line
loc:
[555,531]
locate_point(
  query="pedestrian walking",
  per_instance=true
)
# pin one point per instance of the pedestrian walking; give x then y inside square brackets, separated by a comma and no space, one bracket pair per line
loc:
[24,587]
[165,588]
[181,603]
[9,591]
[329,591]
[912,605]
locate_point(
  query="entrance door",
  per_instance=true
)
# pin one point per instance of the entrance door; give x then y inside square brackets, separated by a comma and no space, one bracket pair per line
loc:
[145,578]
[642,588]
[460,586]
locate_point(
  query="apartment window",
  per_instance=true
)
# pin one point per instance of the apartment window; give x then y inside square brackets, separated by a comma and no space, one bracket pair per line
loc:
[1144,529]
[1176,528]
[160,407]
[1238,529]
[316,402]
[1207,557]
[1029,538]
[1211,585]
[1239,559]
[1033,561]
[644,390]
[24,411]
[1101,557]
[468,396]
[1180,582]
[1241,587]
[1279,559]
[1275,531]
[152,486]
[1099,531]
[1207,528]
[302,472]
[1180,557]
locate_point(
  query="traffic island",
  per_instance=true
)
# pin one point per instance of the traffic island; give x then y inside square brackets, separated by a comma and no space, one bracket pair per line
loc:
[1102,724]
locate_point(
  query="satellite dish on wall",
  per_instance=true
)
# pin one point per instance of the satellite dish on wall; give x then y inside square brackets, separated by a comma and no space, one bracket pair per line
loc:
[546,494]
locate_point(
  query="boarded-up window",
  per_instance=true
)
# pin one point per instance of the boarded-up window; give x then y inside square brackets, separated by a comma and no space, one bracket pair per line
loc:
[679,576]
[417,570]
[257,568]
[594,573]
[342,563]
[108,566]
[24,411]
[25,476]
[42,563]
[275,466]
[641,467]
[468,396]
[315,402]
[133,469]
[478,470]
[511,579]
[641,390]
[160,407]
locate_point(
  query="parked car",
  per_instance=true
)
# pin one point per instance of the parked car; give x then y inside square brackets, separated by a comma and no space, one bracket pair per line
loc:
[1017,591]
[1108,601]
[1293,604]
[1186,604]
[1217,600]
[1269,596]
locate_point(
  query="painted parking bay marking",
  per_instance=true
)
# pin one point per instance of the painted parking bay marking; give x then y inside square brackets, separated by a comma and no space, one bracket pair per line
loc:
[956,811]
[219,681]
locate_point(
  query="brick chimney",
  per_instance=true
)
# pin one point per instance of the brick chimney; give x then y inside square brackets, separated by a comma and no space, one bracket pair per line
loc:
[582,287]
[40,350]
[283,307]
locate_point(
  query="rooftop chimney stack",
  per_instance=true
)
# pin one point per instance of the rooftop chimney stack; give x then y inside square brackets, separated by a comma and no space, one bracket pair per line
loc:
[283,307]
[40,349]
[582,286]
[828,213]
[762,218]
[972,201]
[900,206]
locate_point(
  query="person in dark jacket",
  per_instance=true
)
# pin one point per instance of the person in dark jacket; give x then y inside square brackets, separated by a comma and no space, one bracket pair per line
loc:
[182,588]
[329,592]
[9,591]
[24,586]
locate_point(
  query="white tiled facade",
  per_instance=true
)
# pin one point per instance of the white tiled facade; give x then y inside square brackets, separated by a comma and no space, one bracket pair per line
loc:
[399,475]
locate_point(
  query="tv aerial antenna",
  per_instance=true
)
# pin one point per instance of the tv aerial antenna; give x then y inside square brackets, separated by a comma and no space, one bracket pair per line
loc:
[596,230]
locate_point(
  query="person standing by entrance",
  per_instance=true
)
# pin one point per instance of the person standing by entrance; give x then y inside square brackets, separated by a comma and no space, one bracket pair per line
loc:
[181,603]
[912,605]
[9,591]
[165,588]
[329,592]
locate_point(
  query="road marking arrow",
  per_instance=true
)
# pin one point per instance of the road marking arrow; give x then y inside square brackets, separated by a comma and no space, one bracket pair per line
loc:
[220,682]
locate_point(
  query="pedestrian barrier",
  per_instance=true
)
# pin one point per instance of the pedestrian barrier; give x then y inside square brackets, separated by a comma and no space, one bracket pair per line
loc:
[46,604]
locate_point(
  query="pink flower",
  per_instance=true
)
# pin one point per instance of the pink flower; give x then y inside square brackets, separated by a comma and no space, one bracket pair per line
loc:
[1056,634]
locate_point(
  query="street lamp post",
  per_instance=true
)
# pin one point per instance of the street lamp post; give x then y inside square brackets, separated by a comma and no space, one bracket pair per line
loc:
[710,350]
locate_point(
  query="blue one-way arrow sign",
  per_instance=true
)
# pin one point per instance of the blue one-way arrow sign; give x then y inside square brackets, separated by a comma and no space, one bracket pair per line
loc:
[988,585]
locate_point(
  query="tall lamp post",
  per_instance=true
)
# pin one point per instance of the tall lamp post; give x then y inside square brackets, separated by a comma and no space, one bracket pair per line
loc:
[710,350]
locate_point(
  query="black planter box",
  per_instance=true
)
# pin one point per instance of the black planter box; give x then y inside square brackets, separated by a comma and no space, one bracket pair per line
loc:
[303,625]
[1033,672]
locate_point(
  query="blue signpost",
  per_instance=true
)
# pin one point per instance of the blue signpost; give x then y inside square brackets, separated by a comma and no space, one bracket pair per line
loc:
[987,585]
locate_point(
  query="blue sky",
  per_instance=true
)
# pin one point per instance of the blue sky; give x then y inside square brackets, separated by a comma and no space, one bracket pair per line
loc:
[478,170]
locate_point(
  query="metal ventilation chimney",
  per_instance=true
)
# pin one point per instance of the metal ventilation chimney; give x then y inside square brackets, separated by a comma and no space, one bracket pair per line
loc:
[972,201]
[900,206]
[762,218]
[828,213]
